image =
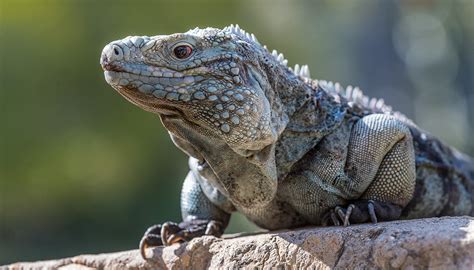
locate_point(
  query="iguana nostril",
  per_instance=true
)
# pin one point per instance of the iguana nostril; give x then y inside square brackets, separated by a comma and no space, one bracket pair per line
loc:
[115,52]
[111,53]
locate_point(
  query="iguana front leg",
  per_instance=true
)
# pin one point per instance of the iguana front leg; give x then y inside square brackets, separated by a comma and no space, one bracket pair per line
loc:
[380,171]
[200,217]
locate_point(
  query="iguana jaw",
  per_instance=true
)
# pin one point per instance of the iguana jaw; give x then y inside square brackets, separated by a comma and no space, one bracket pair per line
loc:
[151,93]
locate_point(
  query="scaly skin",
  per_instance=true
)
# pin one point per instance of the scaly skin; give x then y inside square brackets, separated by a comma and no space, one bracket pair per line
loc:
[279,147]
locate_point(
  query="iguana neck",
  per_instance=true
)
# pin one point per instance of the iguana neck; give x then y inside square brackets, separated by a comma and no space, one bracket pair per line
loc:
[313,114]
[246,183]
[302,112]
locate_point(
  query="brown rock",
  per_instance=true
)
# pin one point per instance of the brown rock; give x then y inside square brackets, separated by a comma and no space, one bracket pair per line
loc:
[435,243]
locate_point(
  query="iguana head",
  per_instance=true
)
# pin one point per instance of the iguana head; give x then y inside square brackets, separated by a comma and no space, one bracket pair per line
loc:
[214,79]
[217,85]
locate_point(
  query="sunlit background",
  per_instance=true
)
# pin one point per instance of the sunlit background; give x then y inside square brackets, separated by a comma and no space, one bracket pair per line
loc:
[83,171]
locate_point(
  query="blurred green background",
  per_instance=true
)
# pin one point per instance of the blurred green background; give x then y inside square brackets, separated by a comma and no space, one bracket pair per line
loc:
[83,171]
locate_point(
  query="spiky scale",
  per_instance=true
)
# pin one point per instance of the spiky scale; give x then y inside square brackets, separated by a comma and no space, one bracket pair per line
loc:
[297,69]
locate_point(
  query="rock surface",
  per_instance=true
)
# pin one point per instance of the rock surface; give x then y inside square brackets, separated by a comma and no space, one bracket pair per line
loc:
[435,243]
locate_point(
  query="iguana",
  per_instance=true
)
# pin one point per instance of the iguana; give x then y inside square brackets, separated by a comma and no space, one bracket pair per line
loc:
[270,142]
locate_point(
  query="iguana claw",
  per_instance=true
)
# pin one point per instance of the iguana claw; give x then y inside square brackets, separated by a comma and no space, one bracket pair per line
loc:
[344,216]
[371,208]
[360,212]
[169,233]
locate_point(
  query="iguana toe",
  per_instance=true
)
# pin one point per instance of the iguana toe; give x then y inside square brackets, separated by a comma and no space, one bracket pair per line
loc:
[151,238]
[371,209]
[362,211]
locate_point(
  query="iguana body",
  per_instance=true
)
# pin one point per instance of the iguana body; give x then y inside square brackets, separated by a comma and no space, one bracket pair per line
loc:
[277,146]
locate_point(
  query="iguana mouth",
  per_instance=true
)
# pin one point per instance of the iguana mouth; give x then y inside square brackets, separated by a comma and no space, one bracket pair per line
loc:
[127,78]
[148,78]
[149,70]
[161,82]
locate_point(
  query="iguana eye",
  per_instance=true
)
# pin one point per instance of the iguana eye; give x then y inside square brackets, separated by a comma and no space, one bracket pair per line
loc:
[182,51]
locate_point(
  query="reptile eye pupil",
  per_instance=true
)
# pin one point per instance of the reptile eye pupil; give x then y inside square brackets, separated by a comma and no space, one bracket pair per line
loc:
[182,51]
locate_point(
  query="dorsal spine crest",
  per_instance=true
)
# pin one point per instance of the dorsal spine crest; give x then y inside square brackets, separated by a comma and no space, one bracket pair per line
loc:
[352,94]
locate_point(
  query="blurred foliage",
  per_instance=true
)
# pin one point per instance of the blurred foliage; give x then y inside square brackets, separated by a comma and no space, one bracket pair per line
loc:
[84,171]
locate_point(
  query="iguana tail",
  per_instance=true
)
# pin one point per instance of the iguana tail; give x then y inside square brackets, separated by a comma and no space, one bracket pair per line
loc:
[445,179]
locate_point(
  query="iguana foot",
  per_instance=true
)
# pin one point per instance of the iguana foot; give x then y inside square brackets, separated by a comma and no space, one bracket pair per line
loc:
[362,211]
[169,233]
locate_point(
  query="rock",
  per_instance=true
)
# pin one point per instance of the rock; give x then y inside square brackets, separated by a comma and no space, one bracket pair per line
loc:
[435,243]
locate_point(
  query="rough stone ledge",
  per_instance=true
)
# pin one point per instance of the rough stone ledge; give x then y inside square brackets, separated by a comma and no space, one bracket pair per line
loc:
[435,243]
